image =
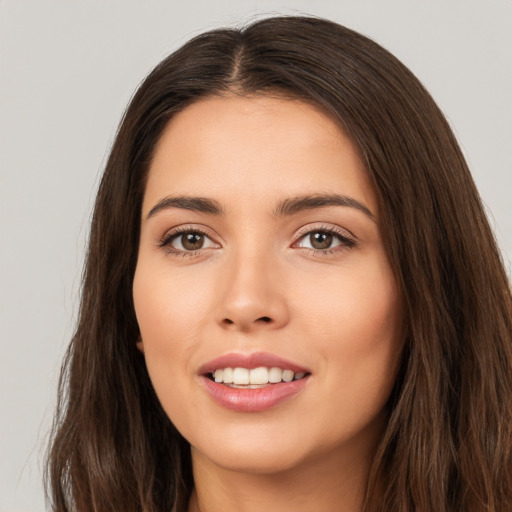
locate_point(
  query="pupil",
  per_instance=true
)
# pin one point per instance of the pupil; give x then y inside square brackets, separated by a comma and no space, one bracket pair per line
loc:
[321,240]
[192,241]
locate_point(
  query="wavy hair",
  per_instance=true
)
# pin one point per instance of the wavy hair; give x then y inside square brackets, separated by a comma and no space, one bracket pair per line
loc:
[447,443]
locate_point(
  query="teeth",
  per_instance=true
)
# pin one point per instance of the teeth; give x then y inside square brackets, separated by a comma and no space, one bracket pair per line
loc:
[258,376]
[227,377]
[255,377]
[275,375]
[240,376]
[287,375]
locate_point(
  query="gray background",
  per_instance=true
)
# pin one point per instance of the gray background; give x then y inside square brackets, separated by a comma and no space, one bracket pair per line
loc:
[67,70]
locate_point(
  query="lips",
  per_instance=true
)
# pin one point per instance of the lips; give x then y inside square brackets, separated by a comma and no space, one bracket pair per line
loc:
[252,382]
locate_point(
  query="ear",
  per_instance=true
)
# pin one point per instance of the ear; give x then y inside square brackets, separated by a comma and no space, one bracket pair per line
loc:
[140,345]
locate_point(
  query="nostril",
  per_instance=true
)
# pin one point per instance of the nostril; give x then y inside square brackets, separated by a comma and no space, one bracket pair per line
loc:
[261,319]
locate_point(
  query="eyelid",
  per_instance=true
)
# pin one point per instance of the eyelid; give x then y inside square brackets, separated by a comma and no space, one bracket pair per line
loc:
[324,226]
[347,238]
[174,232]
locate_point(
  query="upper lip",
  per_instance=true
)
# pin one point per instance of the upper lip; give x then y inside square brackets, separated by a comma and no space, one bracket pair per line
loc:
[249,361]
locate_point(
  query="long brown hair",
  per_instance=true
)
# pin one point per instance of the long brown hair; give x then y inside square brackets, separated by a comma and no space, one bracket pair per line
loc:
[447,444]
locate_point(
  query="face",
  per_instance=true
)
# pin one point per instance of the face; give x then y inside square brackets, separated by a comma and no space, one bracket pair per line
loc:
[261,266]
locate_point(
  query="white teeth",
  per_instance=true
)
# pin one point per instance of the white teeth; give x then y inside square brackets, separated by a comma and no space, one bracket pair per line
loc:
[255,377]
[275,375]
[240,376]
[287,375]
[258,376]
[227,378]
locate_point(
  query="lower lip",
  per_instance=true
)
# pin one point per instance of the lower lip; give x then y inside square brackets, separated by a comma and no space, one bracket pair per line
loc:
[253,400]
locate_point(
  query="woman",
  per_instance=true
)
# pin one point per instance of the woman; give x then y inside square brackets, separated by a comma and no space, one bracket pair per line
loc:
[292,297]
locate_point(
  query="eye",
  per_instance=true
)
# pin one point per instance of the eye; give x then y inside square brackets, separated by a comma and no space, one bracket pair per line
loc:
[324,240]
[187,241]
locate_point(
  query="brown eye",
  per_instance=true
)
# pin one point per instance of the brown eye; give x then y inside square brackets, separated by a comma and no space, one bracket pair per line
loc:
[324,240]
[191,241]
[188,242]
[320,240]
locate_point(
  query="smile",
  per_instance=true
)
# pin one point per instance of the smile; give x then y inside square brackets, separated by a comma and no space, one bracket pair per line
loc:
[254,382]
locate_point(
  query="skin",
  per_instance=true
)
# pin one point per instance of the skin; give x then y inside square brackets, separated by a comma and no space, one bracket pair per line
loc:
[258,285]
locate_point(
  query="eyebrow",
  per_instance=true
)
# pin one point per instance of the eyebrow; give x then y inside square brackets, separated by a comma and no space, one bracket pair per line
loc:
[300,203]
[285,208]
[196,204]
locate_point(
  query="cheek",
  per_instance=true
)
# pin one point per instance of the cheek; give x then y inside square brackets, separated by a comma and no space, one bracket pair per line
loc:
[357,305]
[170,315]
[168,307]
[356,328]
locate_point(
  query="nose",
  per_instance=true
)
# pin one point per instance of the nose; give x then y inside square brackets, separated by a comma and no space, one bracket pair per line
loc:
[252,295]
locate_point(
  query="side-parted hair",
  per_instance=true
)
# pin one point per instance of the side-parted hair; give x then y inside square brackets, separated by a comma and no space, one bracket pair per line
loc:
[448,439]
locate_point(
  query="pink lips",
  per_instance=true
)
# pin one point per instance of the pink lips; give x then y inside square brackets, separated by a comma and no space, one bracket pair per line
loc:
[251,400]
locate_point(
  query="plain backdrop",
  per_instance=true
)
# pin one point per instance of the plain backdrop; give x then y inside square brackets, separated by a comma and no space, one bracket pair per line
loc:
[68,69]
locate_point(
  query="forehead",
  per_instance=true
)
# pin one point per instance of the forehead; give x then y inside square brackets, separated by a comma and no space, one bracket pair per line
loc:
[256,147]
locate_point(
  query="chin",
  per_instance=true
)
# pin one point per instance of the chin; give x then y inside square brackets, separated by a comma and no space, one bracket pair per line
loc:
[251,451]
[272,449]
[256,462]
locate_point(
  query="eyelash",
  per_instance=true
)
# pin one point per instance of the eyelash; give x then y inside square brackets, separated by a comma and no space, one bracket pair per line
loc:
[169,237]
[347,242]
